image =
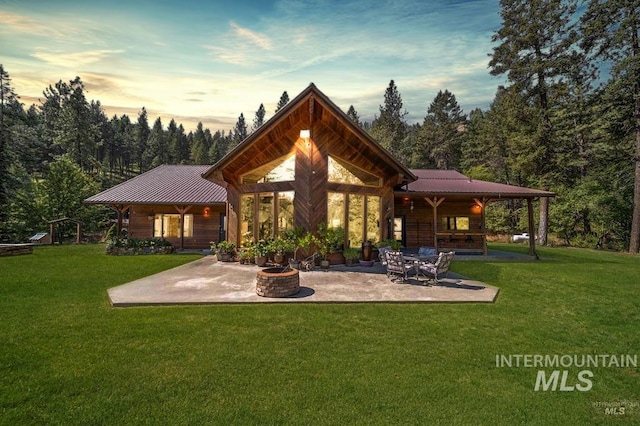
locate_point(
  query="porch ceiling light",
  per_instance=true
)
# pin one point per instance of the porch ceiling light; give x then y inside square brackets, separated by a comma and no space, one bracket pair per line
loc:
[305,134]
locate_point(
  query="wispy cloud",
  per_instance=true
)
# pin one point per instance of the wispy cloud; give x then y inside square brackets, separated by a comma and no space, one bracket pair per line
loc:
[73,59]
[258,39]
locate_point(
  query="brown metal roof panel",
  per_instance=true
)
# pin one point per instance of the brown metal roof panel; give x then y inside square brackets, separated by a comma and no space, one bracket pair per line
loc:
[453,182]
[166,184]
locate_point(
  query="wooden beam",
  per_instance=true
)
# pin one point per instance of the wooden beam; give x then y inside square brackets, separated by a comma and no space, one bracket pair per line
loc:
[182,210]
[435,203]
[483,225]
[532,235]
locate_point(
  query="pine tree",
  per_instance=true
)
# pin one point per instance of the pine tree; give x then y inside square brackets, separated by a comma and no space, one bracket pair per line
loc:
[353,115]
[142,137]
[442,133]
[284,99]
[534,50]
[7,95]
[199,147]
[258,120]
[240,130]
[390,127]
[157,151]
[610,33]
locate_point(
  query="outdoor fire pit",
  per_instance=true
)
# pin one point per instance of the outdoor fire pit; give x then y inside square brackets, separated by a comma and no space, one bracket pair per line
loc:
[277,282]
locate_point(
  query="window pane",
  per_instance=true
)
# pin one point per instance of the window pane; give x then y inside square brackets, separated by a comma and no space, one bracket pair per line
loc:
[397,228]
[285,211]
[462,223]
[246,218]
[265,216]
[335,209]
[373,218]
[356,220]
[157,226]
[188,225]
[285,171]
[171,223]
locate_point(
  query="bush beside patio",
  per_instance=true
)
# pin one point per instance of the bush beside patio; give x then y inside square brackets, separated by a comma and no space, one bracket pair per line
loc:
[69,358]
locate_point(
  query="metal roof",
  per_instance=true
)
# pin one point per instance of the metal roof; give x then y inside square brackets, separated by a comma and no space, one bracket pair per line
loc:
[451,182]
[166,184]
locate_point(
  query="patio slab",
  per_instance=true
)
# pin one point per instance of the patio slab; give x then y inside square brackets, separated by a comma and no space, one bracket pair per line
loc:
[207,281]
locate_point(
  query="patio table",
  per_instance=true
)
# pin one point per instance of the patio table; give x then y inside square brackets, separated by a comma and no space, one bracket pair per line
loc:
[418,260]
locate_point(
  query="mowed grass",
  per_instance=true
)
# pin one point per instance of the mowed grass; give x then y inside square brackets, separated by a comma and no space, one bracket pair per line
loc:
[68,357]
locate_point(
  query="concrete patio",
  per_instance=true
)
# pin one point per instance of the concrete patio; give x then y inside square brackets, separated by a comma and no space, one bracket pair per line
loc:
[207,281]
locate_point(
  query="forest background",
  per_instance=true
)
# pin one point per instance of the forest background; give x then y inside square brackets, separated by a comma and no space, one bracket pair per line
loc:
[567,121]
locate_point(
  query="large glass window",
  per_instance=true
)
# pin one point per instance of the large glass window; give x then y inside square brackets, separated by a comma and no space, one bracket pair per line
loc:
[373,218]
[356,219]
[335,209]
[246,220]
[168,226]
[341,172]
[265,216]
[285,211]
[280,170]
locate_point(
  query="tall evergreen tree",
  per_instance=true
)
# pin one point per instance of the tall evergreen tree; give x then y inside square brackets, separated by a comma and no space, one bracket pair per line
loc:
[75,134]
[157,151]
[353,115]
[390,127]
[535,50]
[142,137]
[258,120]
[199,146]
[442,133]
[610,34]
[240,130]
[7,95]
[284,99]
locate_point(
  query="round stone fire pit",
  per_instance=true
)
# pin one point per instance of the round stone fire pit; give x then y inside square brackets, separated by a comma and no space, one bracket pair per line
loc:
[277,282]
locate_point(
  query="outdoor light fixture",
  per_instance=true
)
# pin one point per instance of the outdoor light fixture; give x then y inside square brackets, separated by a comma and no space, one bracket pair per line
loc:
[206,212]
[151,215]
[305,134]
[476,209]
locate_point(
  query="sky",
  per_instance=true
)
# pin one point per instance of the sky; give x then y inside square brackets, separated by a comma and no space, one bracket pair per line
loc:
[210,60]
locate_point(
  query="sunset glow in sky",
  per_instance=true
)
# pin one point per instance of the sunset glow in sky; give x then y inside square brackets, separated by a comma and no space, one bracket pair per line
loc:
[210,61]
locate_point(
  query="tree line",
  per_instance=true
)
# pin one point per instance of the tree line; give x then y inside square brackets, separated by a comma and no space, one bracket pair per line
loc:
[559,123]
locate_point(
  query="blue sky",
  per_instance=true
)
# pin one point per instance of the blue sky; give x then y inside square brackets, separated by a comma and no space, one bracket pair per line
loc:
[210,61]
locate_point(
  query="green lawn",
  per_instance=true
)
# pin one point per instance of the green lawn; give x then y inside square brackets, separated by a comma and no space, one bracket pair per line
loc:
[67,357]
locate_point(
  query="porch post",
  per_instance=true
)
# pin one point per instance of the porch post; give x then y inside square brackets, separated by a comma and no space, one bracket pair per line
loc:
[182,210]
[435,203]
[532,235]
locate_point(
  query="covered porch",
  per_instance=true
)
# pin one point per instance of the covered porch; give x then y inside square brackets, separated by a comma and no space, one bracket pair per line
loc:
[446,210]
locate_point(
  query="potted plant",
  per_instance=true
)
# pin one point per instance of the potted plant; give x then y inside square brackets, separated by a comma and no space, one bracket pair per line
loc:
[245,255]
[279,246]
[351,256]
[329,239]
[260,251]
[225,250]
[294,241]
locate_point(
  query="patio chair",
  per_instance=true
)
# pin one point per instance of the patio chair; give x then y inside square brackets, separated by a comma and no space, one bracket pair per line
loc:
[397,267]
[435,270]
[382,254]
[424,252]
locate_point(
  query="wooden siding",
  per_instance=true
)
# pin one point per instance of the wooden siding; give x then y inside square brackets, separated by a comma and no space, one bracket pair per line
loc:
[205,229]
[419,224]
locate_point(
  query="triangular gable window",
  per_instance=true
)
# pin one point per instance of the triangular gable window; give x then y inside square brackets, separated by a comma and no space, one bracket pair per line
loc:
[342,172]
[281,170]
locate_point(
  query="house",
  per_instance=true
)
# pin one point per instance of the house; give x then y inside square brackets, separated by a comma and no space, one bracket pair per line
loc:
[307,165]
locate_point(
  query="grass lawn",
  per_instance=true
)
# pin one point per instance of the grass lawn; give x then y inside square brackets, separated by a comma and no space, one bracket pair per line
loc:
[67,357]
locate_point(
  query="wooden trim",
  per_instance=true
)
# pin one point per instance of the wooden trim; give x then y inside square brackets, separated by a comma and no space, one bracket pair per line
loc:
[532,235]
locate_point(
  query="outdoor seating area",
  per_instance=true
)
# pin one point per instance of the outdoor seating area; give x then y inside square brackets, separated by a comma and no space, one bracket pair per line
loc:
[426,264]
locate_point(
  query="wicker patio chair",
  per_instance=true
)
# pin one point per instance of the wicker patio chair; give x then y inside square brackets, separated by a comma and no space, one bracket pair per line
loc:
[397,267]
[435,270]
